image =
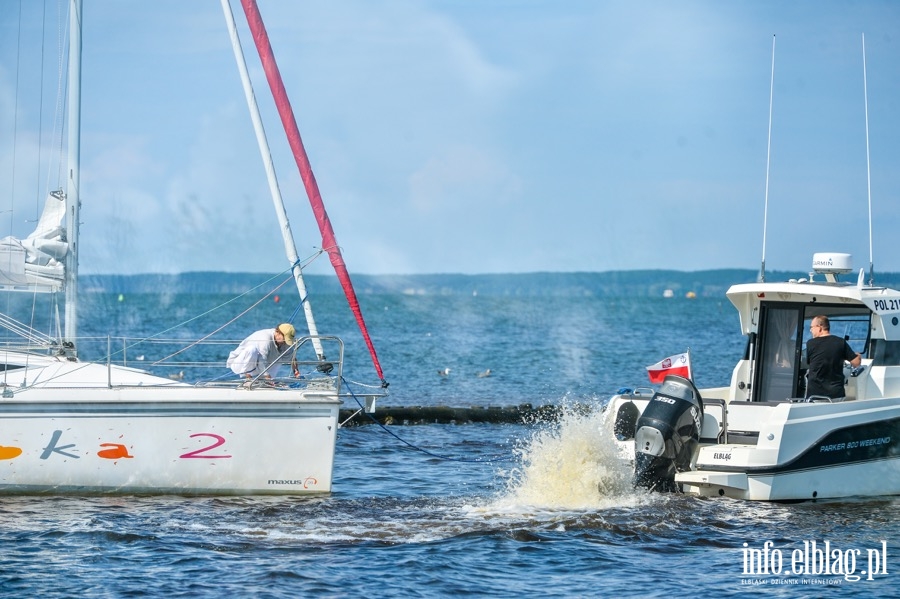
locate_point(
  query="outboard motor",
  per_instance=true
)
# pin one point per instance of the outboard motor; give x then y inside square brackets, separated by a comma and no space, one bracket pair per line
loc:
[668,433]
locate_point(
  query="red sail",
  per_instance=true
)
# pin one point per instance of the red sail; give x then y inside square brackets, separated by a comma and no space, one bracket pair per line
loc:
[329,243]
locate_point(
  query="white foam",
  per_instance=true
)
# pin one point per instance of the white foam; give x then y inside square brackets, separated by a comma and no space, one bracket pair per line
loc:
[571,464]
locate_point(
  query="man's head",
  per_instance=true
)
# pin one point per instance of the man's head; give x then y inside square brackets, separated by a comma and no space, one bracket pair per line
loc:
[284,334]
[819,326]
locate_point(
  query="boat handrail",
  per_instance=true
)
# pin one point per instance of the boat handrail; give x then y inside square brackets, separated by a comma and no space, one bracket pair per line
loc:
[321,365]
[201,363]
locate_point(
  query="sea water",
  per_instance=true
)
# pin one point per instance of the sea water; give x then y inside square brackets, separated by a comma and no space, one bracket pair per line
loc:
[540,509]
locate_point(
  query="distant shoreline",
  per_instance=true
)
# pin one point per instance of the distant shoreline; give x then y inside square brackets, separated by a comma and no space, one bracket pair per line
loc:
[636,283]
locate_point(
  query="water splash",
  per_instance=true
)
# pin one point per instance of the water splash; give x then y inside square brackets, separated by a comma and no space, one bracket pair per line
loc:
[573,463]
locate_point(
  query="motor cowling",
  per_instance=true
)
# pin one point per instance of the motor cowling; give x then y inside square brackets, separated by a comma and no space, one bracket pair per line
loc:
[667,434]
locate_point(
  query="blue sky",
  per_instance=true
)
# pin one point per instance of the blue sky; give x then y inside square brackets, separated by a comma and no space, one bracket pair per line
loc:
[468,136]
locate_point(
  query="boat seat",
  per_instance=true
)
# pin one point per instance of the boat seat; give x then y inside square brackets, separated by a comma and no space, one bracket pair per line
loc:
[823,399]
[818,399]
[770,402]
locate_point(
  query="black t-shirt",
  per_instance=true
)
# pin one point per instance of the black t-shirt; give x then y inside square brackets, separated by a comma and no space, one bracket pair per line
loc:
[826,356]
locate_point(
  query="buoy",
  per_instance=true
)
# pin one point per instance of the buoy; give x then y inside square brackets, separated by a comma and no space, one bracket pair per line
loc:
[277,299]
[121,297]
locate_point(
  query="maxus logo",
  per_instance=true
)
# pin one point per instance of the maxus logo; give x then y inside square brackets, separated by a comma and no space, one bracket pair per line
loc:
[306,483]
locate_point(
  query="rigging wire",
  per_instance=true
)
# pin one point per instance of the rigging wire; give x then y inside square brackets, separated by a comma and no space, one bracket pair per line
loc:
[54,135]
[234,299]
[59,119]
[40,129]
[211,310]
[416,447]
[12,178]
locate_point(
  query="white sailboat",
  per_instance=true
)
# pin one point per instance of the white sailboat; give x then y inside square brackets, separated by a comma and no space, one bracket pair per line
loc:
[73,426]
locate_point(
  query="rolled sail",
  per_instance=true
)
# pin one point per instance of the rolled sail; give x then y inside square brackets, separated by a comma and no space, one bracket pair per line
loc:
[37,262]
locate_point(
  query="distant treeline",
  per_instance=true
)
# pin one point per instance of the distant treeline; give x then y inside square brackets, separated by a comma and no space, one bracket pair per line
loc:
[632,283]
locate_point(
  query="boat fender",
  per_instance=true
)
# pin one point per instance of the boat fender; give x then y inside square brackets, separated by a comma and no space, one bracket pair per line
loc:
[626,421]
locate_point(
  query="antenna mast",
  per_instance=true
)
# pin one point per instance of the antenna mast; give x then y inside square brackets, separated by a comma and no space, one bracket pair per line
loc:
[762,267]
[868,165]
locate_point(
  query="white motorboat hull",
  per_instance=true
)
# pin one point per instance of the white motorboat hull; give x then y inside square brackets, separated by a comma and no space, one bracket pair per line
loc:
[169,441]
[854,480]
[801,451]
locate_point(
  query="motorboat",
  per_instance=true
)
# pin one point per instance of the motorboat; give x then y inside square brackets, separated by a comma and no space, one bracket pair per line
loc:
[762,437]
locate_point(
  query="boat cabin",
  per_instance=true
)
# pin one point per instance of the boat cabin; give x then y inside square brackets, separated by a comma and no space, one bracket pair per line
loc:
[776,317]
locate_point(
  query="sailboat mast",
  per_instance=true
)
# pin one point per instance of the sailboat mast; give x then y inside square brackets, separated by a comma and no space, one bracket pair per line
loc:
[289,246]
[73,200]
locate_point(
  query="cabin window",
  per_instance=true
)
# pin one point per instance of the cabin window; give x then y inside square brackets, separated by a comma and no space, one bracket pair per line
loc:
[781,352]
[851,325]
[885,353]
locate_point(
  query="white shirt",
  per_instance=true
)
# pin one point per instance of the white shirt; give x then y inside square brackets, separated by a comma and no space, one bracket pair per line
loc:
[255,354]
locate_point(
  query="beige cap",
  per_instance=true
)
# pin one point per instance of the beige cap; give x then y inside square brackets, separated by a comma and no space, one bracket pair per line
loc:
[288,331]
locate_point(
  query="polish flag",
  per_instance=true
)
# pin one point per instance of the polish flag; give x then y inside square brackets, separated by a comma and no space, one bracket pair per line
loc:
[679,364]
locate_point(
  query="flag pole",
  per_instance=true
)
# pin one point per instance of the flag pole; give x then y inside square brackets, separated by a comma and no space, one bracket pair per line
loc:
[690,367]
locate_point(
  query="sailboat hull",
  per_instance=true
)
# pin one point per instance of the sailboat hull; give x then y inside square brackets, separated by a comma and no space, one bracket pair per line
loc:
[193,441]
[73,426]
